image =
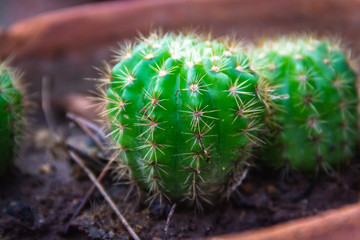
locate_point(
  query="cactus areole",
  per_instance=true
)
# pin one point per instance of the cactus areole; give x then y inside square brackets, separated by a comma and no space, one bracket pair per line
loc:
[10,116]
[184,113]
[315,127]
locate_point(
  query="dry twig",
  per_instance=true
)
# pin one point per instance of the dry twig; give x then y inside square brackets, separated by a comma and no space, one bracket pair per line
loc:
[46,106]
[86,125]
[169,219]
[90,192]
[56,141]
[103,192]
[238,183]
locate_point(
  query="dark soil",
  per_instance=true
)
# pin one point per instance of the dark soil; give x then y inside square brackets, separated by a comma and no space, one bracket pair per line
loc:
[44,189]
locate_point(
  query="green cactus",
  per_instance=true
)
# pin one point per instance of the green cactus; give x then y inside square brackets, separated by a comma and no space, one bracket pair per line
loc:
[10,115]
[316,125]
[184,113]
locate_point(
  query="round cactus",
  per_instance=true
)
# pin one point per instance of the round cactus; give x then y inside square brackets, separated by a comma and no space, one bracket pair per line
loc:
[315,126]
[184,113]
[10,115]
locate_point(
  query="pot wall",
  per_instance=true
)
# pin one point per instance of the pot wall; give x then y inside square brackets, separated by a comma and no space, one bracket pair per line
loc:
[67,44]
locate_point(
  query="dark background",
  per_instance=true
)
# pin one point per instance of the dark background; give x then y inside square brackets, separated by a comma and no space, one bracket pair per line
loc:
[15,10]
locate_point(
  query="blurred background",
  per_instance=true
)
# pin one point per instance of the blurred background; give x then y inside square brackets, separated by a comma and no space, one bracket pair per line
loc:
[66,39]
[12,11]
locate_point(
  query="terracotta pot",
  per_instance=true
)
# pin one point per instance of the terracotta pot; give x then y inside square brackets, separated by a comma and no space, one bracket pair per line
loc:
[66,44]
[338,224]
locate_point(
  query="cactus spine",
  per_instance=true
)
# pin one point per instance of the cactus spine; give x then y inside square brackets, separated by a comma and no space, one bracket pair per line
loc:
[10,115]
[184,112]
[315,126]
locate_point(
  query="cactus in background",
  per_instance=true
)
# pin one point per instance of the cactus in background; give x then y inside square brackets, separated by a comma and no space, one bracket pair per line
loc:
[184,112]
[10,115]
[316,125]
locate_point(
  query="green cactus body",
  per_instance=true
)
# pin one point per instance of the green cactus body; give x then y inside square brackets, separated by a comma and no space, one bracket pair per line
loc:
[316,125]
[183,113]
[10,116]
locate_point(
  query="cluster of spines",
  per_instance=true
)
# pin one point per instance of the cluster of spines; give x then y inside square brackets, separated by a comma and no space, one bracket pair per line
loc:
[172,85]
[315,125]
[11,115]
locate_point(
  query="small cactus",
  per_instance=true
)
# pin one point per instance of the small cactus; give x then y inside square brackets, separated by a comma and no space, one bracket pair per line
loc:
[315,125]
[10,115]
[184,112]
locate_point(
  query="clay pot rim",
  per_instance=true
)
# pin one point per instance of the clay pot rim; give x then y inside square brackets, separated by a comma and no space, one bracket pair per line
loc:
[340,223]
